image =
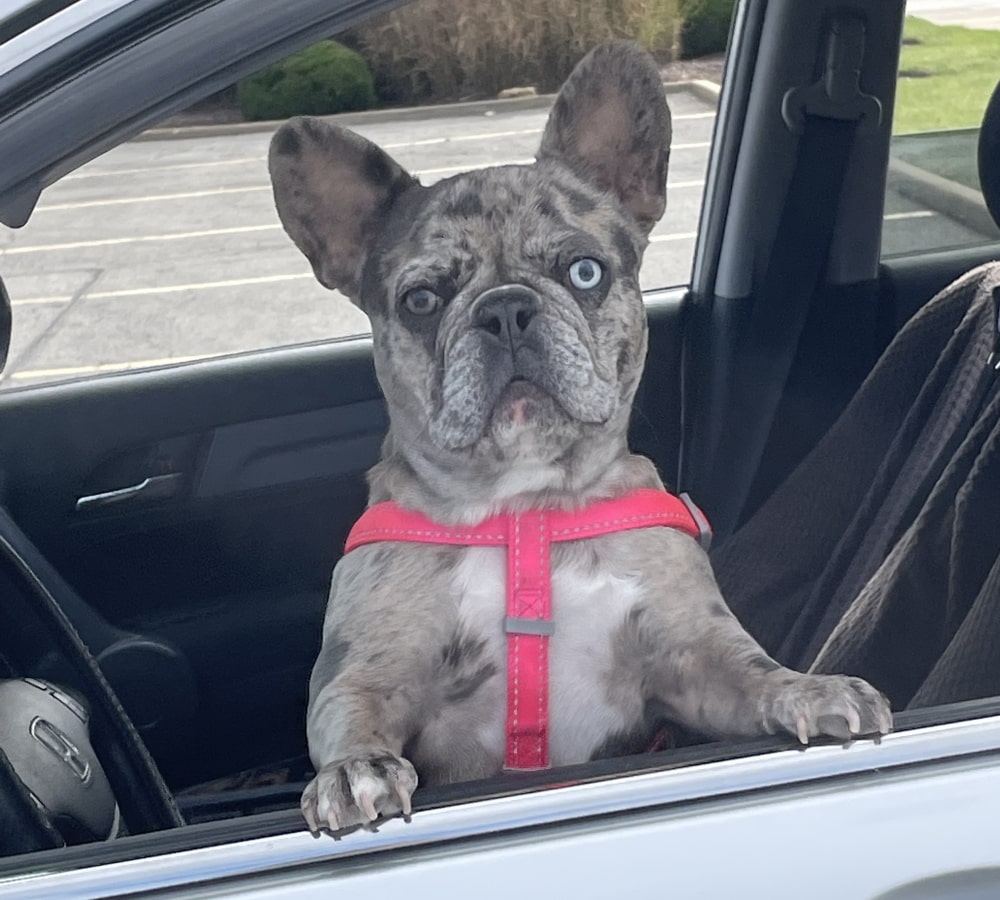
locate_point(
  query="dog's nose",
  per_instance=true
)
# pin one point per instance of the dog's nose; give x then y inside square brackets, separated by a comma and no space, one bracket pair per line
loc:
[505,311]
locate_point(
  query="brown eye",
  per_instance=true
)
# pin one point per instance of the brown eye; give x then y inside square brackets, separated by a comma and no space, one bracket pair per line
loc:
[422,301]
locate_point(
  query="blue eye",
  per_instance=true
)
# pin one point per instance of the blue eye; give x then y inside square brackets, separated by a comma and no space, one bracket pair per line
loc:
[585,274]
[422,301]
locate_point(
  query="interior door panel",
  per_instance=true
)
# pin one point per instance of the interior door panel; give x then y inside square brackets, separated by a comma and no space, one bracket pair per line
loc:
[230,567]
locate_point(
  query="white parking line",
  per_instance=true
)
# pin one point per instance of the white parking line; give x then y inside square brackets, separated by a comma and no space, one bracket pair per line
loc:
[228,283]
[172,167]
[151,198]
[687,235]
[247,229]
[165,289]
[485,136]
[41,301]
[113,242]
[469,167]
[678,236]
[466,167]
[105,367]
[260,160]
[196,286]
[218,192]
[915,214]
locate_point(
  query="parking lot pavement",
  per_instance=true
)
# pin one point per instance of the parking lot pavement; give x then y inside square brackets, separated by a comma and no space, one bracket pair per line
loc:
[162,251]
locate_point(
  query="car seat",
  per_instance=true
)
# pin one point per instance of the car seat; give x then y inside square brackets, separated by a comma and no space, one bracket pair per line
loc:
[880,555]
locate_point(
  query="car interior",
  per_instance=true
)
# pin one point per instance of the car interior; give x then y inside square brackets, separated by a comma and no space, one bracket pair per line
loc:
[167,535]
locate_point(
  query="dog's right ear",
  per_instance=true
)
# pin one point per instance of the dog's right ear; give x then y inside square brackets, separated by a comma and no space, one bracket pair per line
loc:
[332,189]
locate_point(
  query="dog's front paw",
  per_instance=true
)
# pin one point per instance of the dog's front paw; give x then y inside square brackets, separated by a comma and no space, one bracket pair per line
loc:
[356,791]
[833,705]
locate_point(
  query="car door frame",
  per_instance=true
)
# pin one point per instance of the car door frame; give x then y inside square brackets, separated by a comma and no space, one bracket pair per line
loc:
[275,852]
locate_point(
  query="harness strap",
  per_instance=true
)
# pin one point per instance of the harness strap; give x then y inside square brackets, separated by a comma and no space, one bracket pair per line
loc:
[528,626]
[528,537]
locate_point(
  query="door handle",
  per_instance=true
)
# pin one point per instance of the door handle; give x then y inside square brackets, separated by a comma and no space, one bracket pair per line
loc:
[154,487]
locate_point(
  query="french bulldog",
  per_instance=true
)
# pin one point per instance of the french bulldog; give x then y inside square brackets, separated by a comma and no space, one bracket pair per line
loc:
[509,337]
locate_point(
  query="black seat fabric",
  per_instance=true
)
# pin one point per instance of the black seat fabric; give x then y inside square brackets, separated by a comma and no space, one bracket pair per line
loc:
[880,555]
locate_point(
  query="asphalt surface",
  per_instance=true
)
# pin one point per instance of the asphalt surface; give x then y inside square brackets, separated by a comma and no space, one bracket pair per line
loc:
[163,251]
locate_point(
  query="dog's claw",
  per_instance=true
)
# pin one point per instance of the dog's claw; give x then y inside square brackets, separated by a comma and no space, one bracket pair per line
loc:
[367,805]
[829,705]
[405,805]
[357,791]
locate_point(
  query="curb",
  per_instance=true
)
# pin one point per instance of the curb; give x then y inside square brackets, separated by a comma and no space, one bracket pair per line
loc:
[961,203]
[369,117]
[704,90]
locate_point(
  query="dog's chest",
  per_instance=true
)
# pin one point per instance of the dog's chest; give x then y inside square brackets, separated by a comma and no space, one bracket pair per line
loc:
[590,603]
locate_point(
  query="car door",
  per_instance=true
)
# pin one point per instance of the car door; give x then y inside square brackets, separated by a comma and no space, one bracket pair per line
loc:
[269,447]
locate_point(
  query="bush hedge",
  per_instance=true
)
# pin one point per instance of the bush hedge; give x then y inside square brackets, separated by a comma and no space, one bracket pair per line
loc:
[705,27]
[320,80]
[445,50]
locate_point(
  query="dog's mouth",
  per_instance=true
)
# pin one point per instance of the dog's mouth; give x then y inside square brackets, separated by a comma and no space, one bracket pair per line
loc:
[522,386]
[521,402]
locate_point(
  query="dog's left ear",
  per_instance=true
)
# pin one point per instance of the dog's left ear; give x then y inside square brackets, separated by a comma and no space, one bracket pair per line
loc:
[610,125]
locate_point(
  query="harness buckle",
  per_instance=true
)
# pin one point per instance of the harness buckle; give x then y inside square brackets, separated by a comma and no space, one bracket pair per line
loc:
[521,625]
[704,529]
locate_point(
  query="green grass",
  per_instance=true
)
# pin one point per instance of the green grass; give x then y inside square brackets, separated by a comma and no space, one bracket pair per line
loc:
[961,67]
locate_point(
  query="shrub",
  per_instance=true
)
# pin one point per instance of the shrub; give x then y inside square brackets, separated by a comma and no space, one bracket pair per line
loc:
[706,26]
[443,50]
[320,80]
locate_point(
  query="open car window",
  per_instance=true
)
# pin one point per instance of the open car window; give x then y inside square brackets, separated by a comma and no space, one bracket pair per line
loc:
[168,249]
[934,199]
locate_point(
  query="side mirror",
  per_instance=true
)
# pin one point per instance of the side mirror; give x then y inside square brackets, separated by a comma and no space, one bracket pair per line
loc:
[5,324]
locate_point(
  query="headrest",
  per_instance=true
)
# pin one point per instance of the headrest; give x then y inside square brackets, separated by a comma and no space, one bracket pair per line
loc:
[5,324]
[989,155]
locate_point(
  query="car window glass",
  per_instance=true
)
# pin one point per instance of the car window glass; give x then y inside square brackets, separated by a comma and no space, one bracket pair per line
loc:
[168,248]
[949,67]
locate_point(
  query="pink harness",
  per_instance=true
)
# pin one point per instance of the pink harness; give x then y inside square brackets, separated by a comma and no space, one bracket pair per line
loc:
[527,536]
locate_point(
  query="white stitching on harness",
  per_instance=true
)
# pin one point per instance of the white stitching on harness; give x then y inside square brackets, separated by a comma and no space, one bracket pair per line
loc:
[546,569]
[516,686]
[414,532]
[646,517]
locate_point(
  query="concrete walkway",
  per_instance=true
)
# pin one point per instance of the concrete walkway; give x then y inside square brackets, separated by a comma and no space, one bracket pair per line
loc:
[970,13]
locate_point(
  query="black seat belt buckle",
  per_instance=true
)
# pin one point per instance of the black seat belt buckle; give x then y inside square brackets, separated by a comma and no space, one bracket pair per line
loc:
[837,95]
